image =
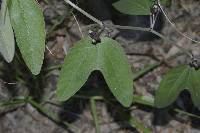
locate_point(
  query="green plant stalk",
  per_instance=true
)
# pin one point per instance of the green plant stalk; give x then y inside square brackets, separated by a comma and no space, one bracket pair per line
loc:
[142,100]
[11,103]
[131,120]
[37,106]
[48,113]
[145,70]
[149,101]
[94,114]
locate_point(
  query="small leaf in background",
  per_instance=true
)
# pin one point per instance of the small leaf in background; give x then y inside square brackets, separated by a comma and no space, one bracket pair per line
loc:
[7,42]
[194,86]
[108,57]
[29,28]
[171,85]
[175,81]
[78,65]
[116,70]
[135,7]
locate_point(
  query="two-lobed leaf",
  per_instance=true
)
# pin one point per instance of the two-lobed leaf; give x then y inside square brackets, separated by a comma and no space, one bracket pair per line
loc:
[175,81]
[29,28]
[135,7]
[7,42]
[107,57]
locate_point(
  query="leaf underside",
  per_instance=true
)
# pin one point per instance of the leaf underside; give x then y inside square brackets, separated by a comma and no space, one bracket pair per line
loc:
[29,28]
[175,81]
[107,57]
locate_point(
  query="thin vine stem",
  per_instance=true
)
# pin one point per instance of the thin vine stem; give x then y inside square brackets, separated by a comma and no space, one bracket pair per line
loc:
[79,27]
[172,42]
[127,27]
[173,25]
[152,31]
[84,12]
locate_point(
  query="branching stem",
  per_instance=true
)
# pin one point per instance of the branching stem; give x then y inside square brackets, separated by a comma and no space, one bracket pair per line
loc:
[128,28]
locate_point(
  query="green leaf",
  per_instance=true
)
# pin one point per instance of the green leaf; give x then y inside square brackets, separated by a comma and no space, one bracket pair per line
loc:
[175,81]
[135,7]
[193,85]
[116,70]
[28,24]
[170,87]
[7,42]
[108,57]
[76,69]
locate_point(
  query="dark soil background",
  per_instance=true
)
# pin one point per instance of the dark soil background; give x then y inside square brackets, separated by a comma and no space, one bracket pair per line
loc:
[142,50]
